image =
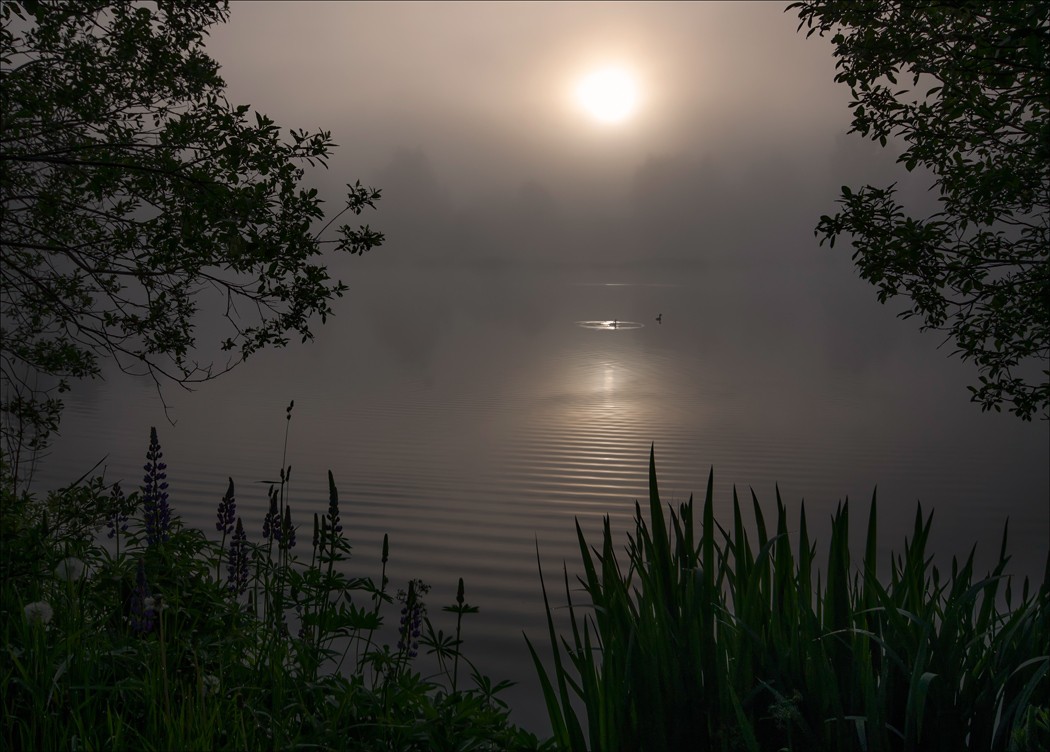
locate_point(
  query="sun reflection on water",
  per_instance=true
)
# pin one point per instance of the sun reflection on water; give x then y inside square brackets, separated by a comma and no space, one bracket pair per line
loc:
[610,324]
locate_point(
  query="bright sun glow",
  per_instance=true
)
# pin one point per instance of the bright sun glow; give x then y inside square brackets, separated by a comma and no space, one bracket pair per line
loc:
[609,95]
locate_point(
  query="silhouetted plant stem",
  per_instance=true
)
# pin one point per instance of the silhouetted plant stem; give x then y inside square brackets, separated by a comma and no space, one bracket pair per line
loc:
[459,631]
[377,596]
[286,469]
[162,649]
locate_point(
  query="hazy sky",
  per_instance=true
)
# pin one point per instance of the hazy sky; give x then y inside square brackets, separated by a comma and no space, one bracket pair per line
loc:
[465,115]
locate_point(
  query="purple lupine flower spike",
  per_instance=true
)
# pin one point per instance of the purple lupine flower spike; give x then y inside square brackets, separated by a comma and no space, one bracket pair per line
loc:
[227,511]
[155,507]
[333,506]
[237,581]
[272,520]
[287,539]
[412,612]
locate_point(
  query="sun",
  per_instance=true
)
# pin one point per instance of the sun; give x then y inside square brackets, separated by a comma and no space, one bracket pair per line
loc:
[609,95]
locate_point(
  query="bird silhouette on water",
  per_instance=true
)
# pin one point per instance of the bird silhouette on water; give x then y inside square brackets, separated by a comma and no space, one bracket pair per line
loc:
[660,319]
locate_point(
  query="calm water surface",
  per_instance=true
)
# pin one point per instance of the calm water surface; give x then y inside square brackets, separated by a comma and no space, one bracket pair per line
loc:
[473,415]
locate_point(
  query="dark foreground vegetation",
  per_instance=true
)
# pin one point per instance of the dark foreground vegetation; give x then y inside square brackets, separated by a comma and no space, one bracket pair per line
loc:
[123,629]
[726,642]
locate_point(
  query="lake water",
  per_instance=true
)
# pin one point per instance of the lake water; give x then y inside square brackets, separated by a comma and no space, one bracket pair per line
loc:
[471,415]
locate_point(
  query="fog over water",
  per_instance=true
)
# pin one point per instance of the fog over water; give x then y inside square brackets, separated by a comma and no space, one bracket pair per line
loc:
[472,417]
[456,397]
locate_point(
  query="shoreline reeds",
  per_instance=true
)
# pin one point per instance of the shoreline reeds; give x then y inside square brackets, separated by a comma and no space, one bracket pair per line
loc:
[707,638]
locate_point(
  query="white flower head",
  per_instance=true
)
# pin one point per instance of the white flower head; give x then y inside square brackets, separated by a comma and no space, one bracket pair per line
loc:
[39,612]
[209,685]
[71,568]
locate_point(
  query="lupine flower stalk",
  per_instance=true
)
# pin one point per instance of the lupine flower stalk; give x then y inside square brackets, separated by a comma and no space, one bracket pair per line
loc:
[272,521]
[155,507]
[224,518]
[412,611]
[333,506]
[237,567]
[118,522]
[286,540]
[227,512]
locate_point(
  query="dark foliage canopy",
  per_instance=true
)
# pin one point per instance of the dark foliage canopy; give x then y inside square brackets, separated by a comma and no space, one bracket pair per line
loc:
[137,200]
[964,87]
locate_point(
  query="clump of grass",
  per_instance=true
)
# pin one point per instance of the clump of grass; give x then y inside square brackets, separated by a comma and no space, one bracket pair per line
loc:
[715,641]
[124,629]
